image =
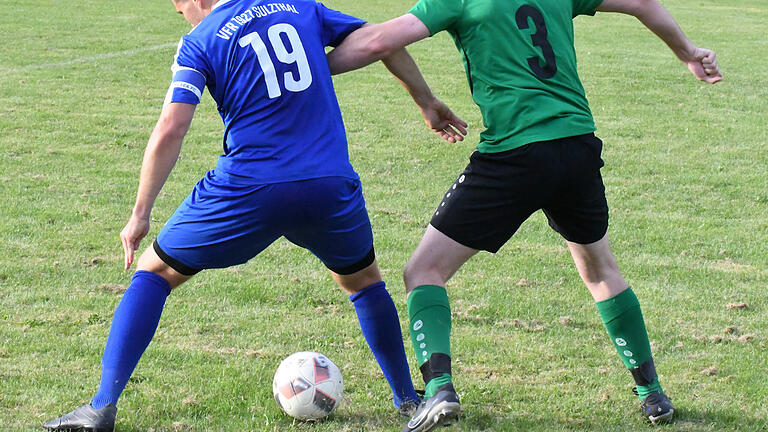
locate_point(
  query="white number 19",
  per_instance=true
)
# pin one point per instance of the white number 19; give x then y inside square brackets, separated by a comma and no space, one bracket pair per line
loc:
[297,55]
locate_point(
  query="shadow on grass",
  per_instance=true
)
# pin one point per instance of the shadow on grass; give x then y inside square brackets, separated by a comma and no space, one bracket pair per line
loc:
[692,419]
[685,420]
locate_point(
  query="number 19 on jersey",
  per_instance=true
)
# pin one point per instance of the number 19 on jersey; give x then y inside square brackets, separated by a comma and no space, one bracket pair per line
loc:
[296,55]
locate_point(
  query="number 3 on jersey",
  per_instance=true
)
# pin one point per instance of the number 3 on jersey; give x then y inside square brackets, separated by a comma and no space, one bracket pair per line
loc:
[538,39]
[296,55]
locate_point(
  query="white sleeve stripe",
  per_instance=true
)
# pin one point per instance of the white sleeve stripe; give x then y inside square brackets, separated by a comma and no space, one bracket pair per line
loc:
[189,87]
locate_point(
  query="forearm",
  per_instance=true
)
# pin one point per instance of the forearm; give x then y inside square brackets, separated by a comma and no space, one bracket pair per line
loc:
[701,62]
[657,19]
[402,66]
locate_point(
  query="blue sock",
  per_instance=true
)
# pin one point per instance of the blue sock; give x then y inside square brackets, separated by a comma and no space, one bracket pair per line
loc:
[381,327]
[133,327]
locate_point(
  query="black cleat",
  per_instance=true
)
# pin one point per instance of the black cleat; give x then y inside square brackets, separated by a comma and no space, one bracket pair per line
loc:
[85,419]
[440,409]
[658,408]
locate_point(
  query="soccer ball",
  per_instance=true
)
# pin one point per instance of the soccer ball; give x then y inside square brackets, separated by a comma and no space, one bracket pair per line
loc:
[307,386]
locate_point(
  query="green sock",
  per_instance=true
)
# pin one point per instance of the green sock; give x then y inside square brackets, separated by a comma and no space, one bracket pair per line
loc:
[645,390]
[436,383]
[430,328]
[624,321]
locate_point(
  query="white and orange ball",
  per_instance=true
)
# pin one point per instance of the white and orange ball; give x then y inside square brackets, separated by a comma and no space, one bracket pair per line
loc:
[308,386]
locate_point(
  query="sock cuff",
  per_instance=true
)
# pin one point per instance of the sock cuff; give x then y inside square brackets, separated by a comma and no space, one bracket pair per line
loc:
[154,279]
[615,306]
[645,374]
[425,296]
[370,289]
[437,365]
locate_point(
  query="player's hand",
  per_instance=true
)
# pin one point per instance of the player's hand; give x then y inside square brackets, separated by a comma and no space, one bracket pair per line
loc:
[703,64]
[131,235]
[443,121]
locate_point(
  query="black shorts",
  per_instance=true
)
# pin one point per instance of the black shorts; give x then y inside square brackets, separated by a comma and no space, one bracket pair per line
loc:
[497,192]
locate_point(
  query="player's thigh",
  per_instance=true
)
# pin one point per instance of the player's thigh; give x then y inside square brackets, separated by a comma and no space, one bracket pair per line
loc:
[579,209]
[219,225]
[335,226]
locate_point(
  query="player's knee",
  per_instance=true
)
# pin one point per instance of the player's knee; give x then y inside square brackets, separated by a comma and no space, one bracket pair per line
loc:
[604,263]
[170,275]
[151,262]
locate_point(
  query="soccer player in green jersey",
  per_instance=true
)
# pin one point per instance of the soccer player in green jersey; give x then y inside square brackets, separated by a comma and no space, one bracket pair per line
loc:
[537,151]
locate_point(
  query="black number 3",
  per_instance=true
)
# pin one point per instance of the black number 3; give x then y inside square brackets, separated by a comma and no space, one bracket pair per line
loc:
[539,39]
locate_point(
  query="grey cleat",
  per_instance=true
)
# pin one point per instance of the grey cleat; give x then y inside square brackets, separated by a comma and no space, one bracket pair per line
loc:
[85,419]
[439,410]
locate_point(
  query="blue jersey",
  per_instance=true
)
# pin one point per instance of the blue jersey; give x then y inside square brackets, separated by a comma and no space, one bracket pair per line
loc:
[264,64]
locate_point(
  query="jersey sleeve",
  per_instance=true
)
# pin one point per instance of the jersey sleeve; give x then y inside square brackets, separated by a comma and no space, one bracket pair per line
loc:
[189,74]
[585,7]
[336,25]
[438,15]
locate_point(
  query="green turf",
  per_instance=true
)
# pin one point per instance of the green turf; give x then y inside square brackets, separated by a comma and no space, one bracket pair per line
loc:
[686,178]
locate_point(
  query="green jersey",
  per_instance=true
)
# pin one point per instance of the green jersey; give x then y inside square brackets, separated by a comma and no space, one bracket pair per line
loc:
[520,63]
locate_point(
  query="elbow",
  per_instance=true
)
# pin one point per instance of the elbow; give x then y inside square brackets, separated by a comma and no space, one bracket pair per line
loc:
[635,8]
[169,131]
[639,8]
[378,47]
[175,120]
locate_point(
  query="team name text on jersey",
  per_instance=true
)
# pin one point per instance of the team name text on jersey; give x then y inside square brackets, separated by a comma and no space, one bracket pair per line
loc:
[237,21]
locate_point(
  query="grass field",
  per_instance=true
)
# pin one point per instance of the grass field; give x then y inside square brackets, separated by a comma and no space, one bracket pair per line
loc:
[687,181]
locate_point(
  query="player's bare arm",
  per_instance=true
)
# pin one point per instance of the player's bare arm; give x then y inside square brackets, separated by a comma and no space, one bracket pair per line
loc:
[386,42]
[700,61]
[375,42]
[160,156]
[438,117]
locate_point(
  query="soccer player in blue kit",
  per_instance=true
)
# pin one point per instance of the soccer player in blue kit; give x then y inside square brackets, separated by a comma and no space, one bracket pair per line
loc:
[285,171]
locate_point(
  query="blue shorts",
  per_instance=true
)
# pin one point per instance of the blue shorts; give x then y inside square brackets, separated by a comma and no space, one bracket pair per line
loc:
[223,223]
